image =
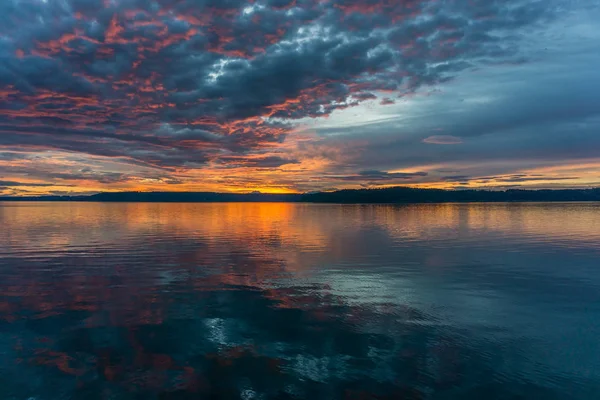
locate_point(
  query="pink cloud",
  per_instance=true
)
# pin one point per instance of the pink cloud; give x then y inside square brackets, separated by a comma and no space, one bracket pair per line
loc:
[442,139]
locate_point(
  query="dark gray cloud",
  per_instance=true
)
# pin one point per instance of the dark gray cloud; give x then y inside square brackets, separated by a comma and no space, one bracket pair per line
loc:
[218,68]
[500,120]
[456,178]
[260,162]
[12,184]
[374,177]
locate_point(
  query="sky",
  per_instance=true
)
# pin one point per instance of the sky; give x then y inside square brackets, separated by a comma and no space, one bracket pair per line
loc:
[284,96]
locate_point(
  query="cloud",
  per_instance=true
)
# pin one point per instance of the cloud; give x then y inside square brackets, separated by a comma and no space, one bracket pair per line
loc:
[257,162]
[17,184]
[442,139]
[183,86]
[456,178]
[378,177]
[516,178]
[525,178]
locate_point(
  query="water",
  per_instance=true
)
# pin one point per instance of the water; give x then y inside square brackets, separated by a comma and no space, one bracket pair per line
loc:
[295,301]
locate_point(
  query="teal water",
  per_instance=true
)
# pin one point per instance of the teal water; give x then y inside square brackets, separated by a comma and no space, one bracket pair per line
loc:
[298,301]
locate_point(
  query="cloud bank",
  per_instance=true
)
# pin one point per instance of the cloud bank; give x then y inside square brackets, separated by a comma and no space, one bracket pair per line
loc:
[218,94]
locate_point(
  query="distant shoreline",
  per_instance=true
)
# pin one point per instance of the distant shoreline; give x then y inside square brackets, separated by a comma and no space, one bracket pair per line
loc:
[394,195]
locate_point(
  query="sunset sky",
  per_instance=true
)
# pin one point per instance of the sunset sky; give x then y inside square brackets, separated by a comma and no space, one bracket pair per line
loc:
[297,95]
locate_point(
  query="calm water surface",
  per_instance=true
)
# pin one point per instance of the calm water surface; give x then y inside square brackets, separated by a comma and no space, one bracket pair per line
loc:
[294,301]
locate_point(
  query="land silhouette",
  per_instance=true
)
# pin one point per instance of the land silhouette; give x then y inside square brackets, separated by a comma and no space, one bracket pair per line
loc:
[350,196]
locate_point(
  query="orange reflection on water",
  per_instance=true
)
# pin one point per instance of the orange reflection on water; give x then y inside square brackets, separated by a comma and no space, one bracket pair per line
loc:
[28,227]
[160,298]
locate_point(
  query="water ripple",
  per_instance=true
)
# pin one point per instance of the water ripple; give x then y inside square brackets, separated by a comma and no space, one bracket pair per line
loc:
[279,301]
